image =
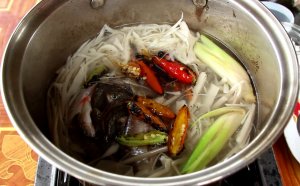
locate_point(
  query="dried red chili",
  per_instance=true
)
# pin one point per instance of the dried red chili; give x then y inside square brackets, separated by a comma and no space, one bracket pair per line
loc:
[151,79]
[177,133]
[139,110]
[176,70]
[156,108]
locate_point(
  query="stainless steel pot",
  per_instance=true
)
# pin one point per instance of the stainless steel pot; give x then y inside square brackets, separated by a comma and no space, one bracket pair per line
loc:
[54,29]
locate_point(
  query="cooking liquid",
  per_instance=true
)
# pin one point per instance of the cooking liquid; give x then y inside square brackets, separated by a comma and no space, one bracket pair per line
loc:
[90,150]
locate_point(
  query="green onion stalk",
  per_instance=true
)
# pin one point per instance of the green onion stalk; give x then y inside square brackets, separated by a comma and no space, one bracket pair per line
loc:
[225,66]
[215,138]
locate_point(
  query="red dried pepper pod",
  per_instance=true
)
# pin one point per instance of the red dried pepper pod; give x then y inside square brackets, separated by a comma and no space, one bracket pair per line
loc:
[177,133]
[156,108]
[139,110]
[176,70]
[151,79]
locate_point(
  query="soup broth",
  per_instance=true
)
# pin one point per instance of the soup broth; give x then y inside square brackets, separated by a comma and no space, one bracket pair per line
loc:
[145,101]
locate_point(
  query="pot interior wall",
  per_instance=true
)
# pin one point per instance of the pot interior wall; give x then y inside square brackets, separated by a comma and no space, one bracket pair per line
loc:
[59,33]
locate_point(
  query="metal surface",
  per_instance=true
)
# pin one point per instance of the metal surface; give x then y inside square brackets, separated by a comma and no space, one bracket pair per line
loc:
[262,172]
[293,31]
[54,29]
[45,174]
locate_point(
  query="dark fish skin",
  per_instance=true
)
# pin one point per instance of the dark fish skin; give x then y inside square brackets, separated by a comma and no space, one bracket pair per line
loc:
[107,114]
[105,94]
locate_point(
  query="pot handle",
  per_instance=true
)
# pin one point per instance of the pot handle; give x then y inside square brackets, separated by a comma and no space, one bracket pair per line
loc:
[95,4]
[200,3]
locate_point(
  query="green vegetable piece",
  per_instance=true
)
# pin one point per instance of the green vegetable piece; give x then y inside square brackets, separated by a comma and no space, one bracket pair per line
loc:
[98,71]
[154,137]
[213,140]
[218,112]
[225,66]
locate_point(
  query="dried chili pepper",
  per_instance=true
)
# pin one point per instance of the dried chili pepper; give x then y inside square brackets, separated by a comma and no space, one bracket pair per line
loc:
[156,108]
[139,110]
[131,69]
[151,79]
[176,70]
[177,133]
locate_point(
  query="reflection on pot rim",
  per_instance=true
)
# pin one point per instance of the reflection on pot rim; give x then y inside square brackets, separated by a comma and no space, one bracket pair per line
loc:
[67,28]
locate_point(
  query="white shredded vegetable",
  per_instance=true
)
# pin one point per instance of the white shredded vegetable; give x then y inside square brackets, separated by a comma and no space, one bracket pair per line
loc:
[198,87]
[246,127]
[114,47]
